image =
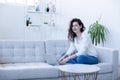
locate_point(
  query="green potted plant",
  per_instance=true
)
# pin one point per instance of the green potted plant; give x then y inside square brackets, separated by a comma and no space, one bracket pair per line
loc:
[28,21]
[97,33]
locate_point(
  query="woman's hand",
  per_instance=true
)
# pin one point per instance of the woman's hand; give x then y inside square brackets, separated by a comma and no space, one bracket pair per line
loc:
[63,61]
[63,57]
[67,58]
[60,59]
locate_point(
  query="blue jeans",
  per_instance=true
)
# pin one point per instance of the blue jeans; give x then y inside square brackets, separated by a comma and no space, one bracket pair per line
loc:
[82,59]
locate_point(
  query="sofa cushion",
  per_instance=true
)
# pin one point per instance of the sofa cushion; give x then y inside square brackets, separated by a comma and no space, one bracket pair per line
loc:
[22,51]
[27,71]
[105,67]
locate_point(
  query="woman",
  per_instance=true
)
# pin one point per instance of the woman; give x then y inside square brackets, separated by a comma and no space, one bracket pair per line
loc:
[81,49]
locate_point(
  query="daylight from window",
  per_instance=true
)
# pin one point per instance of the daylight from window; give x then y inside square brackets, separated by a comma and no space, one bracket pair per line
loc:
[24,2]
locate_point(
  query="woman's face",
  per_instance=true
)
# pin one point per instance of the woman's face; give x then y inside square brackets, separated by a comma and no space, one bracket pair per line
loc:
[76,27]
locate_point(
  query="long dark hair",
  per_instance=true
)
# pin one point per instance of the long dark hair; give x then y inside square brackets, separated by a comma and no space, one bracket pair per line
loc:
[71,34]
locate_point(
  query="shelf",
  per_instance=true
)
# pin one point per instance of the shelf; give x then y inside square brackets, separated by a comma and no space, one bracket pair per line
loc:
[34,25]
[38,12]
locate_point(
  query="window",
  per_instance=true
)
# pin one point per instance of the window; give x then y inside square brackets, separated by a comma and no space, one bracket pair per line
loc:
[2,1]
[20,1]
[10,1]
[30,2]
[25,2]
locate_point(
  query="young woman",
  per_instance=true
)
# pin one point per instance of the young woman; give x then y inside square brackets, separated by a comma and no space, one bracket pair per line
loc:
[81,50]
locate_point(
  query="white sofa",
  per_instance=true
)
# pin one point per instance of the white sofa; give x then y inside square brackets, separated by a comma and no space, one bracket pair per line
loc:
[35,60]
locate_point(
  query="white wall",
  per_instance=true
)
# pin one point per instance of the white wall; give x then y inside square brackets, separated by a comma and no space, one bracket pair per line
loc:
[12,20]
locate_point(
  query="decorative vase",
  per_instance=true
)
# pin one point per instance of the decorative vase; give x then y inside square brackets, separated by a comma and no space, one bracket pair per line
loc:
[53,8]
[37,8]
[47,8]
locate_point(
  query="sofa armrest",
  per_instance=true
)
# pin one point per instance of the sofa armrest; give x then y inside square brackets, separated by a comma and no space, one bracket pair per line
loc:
[109,55]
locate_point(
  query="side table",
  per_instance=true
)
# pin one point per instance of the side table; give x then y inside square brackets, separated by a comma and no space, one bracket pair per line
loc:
[86,72]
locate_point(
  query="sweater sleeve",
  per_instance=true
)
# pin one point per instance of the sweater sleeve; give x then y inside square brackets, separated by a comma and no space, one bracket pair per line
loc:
[71,48]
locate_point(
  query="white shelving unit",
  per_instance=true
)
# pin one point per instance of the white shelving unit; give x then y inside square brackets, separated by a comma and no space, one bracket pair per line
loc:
[42,17]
